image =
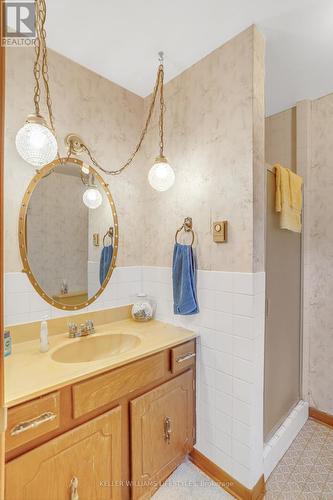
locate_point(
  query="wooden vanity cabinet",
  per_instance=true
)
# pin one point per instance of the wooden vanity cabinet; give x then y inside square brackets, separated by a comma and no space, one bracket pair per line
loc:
[130,425]
[162,431]
[91,453]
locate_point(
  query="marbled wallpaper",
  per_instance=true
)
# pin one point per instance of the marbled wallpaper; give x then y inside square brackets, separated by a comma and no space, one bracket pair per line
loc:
[214,124]
[214,134]
[319,269]
[106,116]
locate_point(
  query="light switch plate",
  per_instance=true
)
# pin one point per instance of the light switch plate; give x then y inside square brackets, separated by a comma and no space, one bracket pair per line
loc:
[220,231]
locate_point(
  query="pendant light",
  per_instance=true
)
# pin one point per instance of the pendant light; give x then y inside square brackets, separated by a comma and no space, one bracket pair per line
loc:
[35,141]
[92,197]
[161,175]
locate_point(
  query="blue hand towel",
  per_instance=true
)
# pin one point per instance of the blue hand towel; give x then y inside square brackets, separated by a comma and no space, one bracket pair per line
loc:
[104,265]
[184,280]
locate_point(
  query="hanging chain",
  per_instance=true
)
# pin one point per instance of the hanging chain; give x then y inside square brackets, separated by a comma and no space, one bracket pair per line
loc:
[158,86]
[161,118]
[36,69]
[42,68]
[45,68]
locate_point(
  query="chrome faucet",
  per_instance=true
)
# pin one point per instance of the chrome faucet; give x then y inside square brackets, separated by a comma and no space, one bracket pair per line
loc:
[83,330]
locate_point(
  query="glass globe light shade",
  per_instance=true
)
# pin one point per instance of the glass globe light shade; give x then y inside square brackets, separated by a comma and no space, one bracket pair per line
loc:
[35,142]
[161,176]
[92,198]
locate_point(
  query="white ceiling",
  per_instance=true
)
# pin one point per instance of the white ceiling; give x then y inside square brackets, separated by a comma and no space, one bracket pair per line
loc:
[119,39]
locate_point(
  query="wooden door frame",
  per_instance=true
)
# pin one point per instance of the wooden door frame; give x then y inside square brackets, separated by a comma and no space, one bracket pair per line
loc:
[2,385]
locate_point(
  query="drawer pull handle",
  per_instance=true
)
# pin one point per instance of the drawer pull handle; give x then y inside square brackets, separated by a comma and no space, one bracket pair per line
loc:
[33,423]
[167,429]
[74,485]
[185,357]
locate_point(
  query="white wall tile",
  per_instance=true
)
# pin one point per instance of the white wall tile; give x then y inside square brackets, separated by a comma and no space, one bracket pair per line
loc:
[223,441]
[223,322]
[223,403]
[243,369]
[208,357]
[223,382]
[241,432]
[224,302]
[241,453]
[223,362]
[243,305]
[223,342]
[223,422]
[243,283]
[242,411]
[243,327]
[242,390]
[243,348]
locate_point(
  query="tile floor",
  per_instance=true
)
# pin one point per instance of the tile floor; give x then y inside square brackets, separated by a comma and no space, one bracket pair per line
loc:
[189,483]
[306,470]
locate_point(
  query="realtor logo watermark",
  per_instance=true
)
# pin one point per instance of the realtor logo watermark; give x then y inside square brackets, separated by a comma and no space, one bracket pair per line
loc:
[18,23]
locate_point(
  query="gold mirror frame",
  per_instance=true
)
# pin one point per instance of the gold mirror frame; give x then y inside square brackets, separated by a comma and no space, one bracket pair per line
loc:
[23,227]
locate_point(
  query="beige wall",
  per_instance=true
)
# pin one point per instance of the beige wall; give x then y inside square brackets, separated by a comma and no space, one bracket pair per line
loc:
[215,142]
[318,270]
[107,117]
[280,138]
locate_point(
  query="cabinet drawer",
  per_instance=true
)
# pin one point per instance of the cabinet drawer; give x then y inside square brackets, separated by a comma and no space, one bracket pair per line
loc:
[102,390]
[183,356]
[31,420]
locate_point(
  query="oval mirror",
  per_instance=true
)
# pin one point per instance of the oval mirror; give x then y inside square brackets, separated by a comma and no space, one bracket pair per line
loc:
[68,233]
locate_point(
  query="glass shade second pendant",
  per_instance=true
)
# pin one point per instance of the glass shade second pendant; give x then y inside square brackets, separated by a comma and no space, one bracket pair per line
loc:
[35,142]
[161,176]
[92,198]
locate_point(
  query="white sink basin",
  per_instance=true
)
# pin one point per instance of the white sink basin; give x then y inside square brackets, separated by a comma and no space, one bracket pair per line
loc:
[92,348]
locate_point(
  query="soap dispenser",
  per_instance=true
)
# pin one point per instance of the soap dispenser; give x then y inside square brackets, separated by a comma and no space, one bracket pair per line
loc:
[43,339]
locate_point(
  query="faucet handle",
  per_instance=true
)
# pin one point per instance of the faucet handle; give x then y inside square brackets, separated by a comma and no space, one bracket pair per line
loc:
[72,329]
[90,326]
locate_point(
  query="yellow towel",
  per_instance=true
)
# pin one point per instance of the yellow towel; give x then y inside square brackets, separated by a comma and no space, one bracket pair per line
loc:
[288,199]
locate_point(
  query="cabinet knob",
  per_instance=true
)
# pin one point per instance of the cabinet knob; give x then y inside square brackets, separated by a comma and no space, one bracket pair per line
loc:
[167,429]
[74,485]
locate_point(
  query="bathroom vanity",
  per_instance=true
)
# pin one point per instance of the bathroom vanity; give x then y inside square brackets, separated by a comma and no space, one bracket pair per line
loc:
[109,428]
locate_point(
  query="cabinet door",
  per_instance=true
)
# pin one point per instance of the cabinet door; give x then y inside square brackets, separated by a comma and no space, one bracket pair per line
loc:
[91,453]
[162,423]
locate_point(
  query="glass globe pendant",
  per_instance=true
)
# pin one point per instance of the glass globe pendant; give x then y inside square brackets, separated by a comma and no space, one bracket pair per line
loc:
[92,198]
[35,142]
[161,175]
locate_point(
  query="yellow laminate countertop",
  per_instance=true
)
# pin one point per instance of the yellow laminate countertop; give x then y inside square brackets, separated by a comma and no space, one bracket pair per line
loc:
[30,373]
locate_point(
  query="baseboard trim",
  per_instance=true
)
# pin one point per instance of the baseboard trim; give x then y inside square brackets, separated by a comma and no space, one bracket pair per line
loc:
[321,416]
[227,482]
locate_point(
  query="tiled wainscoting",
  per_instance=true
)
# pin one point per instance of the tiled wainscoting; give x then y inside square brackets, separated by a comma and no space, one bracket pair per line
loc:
[230,364]
[230,352]
[23,304]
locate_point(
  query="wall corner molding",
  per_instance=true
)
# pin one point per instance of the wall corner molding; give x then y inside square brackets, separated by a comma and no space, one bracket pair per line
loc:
[321,416]
[227,482]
